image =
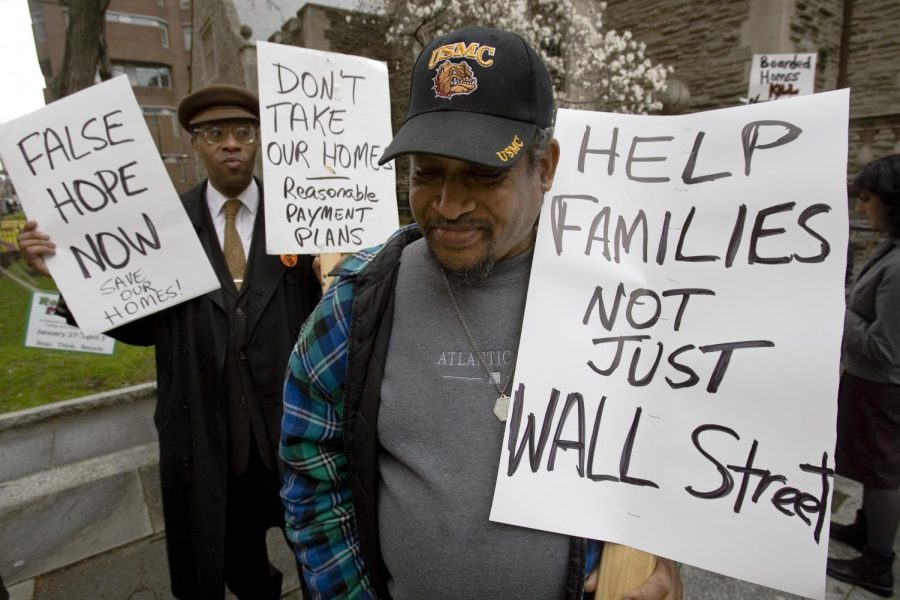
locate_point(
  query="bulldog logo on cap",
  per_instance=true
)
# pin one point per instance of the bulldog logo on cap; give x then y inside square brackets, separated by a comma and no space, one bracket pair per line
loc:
[505,96]
[454,79]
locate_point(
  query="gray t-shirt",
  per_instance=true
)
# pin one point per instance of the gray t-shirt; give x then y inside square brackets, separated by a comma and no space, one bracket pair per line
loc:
[440,443]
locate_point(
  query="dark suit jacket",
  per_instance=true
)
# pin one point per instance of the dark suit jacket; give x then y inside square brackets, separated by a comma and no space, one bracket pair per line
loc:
[191,340]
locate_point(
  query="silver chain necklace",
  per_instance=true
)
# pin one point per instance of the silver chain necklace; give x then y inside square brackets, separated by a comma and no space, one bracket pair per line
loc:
[501,405]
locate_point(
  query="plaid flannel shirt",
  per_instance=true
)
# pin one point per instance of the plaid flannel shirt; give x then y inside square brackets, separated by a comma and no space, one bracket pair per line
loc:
[319,518]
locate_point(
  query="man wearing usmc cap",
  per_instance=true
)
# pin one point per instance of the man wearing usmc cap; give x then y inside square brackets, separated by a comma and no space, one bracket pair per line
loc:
[393,402]
[220,362]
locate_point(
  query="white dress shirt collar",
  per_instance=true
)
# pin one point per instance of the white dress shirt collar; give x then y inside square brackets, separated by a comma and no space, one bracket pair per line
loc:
[216,200]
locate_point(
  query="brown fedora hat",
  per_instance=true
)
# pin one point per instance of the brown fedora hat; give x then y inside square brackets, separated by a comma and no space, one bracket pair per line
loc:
[217,103]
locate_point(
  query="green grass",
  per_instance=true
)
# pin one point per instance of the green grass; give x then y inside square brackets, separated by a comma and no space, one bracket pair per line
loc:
[33,376]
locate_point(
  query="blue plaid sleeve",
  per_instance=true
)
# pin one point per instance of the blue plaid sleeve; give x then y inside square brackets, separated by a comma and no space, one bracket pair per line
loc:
[316,492]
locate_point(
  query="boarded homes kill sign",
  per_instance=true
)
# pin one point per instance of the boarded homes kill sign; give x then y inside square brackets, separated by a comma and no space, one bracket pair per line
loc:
[677,372]
[777,76]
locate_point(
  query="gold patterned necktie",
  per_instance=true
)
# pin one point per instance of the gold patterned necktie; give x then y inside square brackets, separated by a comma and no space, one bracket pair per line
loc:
[232,246]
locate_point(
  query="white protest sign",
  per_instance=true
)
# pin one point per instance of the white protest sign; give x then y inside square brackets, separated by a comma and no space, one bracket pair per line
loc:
[678,367]
[325,120]
[87,171]
[47,330]
[775,76]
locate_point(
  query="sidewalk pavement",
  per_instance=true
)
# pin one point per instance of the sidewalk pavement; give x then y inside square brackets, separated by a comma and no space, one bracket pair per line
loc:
[704,585]
[145,561]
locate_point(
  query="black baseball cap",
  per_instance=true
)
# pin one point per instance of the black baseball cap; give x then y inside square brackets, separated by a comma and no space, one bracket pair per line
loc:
[476,94]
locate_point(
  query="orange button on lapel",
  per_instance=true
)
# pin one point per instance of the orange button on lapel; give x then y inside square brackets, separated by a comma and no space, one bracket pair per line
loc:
[289,260]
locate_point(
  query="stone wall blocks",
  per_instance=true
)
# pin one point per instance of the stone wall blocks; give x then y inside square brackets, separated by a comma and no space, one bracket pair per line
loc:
[49,436]
[25,451]
[22,591]
[57,518]
[153,495]
[86,436]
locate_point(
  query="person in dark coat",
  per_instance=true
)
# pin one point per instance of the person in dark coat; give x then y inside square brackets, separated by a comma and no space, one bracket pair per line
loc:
[220,361]
[868,425]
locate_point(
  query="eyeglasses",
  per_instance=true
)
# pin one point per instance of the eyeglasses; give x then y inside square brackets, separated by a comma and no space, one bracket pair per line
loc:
[216,134]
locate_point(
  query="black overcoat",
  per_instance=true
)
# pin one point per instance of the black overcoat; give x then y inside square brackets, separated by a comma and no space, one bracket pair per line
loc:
[190,417]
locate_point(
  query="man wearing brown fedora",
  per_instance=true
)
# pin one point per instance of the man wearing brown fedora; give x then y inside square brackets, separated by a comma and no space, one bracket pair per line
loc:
[220,361]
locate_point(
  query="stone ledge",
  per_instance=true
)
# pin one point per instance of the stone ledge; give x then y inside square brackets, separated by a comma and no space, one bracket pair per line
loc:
[135,571]
[22,591]
[61,516]
[80,507]
[49,412]
[38,485]
[48,437]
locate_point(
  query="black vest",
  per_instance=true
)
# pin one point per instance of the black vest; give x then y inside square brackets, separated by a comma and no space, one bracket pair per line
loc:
[247,429]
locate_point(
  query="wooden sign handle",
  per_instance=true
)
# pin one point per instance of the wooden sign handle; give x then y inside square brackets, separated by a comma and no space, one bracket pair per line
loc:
[622,569]
[326,263]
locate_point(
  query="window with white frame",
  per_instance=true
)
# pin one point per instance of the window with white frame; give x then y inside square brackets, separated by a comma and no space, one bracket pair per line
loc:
[154,114]
[143,21]
[144,75]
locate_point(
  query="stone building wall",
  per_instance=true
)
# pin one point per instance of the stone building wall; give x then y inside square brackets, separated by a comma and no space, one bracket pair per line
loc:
[710,45]
[874,65]
[80,506]
[216,49]
[873,74]
[816,27]
[701,40]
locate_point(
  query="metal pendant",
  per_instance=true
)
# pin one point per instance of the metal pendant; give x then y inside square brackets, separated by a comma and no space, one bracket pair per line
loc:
[501,407]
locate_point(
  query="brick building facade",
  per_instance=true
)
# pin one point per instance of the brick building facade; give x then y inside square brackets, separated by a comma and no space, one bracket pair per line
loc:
[149,41]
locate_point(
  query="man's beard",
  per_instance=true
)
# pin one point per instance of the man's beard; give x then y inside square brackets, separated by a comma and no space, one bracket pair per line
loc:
[477,272]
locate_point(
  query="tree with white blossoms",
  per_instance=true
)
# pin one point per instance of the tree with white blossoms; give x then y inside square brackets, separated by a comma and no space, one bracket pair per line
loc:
[591,68]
